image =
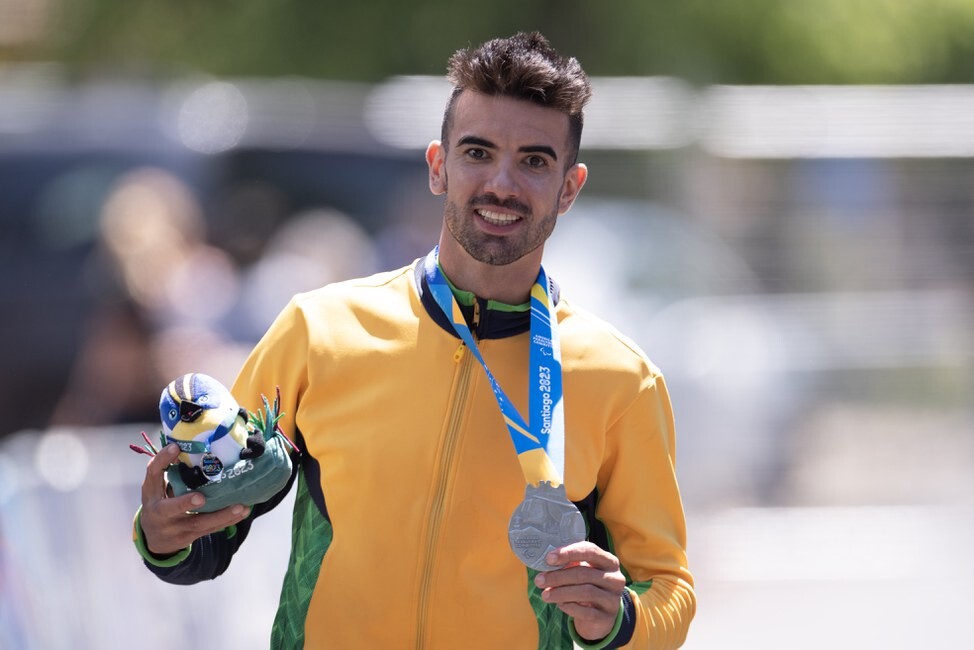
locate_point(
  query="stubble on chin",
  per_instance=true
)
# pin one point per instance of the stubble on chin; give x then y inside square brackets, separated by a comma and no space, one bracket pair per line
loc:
[487,249]
[497,250]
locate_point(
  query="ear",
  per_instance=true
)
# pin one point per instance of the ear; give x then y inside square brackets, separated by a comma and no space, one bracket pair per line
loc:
[575,178]
[436,160]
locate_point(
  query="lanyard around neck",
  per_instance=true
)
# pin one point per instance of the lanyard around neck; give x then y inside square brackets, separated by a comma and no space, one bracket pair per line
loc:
[540,444]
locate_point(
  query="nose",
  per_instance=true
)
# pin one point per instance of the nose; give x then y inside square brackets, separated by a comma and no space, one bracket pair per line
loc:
[502,180]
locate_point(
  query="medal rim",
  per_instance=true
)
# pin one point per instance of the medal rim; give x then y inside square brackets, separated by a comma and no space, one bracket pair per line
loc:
[535,493]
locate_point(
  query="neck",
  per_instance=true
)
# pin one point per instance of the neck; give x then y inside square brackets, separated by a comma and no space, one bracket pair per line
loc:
[509,284]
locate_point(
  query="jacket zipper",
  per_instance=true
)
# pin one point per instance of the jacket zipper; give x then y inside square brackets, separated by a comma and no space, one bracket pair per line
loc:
[465,362]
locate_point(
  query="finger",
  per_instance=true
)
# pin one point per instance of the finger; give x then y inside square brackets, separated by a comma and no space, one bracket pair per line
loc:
[582,574]
[210,522]
[154,487]
[169,527]
[583,553]
[586,614]
[590,622]
[187,503]
[586,596]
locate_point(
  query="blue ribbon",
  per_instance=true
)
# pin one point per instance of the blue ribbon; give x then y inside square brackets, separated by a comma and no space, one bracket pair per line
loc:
[546,430]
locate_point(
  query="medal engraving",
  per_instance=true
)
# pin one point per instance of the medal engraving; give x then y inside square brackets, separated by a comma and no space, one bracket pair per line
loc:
[544,521]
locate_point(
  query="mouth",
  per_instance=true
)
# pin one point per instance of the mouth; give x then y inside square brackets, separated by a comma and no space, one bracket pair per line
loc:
[497,218]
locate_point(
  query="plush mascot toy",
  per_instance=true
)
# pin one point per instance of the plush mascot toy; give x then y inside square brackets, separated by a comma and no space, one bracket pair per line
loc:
[225,453]
[200,415]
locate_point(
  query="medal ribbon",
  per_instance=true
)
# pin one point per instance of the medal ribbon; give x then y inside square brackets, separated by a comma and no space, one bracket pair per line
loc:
[540,445]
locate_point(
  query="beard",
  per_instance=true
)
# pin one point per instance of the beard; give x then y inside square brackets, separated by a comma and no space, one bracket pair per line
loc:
[497,250]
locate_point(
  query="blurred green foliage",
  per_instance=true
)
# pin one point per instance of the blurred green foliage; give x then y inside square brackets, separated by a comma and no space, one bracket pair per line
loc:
[704,41]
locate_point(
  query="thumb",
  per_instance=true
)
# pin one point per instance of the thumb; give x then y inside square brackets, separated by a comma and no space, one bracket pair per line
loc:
[154,485]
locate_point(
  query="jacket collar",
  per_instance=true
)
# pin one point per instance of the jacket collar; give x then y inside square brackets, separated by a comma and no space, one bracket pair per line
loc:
[494,323]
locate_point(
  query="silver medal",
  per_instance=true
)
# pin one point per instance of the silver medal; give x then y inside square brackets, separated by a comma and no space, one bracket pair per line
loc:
[544,521]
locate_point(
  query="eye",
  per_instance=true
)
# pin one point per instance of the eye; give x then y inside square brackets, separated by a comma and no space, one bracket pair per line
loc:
[204,399]
[537,162]
[476,154]
[173,413]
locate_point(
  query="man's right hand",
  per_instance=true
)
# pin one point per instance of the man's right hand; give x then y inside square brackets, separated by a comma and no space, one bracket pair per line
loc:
[167,524]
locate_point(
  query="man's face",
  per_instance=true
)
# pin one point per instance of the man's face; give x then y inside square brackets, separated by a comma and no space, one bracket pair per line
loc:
[504,174]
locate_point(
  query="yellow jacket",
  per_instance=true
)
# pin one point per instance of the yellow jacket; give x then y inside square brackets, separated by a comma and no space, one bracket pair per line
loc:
[408,476]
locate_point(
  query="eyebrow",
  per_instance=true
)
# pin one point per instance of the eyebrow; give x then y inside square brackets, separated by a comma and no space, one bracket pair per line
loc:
[480,142]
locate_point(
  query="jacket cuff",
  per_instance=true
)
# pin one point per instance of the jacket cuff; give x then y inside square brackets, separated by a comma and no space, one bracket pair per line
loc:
[621,632]
[138,537]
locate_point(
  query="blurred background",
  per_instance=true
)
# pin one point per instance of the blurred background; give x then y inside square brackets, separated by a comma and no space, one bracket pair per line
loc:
[780,211]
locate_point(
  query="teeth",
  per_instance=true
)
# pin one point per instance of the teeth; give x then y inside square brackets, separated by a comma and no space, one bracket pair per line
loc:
[498,219]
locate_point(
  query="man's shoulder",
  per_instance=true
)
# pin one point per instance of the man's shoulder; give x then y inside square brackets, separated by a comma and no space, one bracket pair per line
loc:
[586,334]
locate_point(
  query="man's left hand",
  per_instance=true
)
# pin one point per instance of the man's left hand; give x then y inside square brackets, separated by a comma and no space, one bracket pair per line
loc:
[588,587]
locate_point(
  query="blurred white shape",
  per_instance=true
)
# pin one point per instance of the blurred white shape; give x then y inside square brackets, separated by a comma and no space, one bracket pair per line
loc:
[625,112]
[62,460]
[817,332]
[880,329]
[30,96]
[9,475]
[213,117]
[844,544]
[838,121]
[735,349]
[407,111]
[280,112]
[287,113]
[638,113]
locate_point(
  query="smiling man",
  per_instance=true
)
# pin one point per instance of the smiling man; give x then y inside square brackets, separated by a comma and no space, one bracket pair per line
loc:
[483,464]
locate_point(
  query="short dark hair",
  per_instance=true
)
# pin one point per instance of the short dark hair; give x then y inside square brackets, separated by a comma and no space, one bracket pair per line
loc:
[523,66]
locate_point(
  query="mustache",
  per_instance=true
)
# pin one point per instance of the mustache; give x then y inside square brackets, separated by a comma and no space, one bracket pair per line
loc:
[486,200]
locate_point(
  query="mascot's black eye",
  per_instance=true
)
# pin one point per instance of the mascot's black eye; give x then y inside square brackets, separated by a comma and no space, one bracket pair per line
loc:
[173,414]
[204,399]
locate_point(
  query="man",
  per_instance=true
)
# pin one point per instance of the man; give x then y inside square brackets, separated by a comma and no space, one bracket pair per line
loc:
[398,388]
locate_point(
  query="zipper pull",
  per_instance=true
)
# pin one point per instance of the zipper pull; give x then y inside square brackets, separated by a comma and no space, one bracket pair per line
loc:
[459,353]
